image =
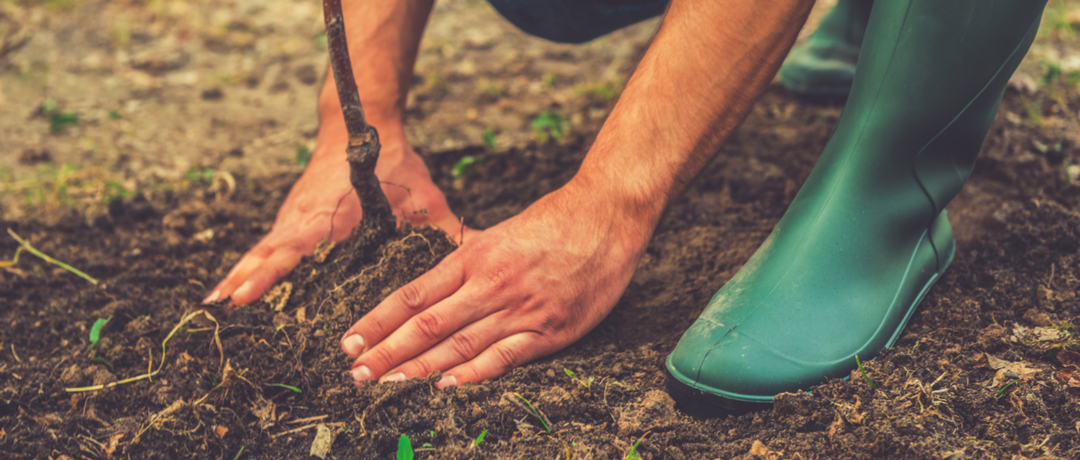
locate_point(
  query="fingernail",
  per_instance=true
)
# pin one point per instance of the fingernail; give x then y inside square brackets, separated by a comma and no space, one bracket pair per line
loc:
[393,378]
[243,290]
[361,373]
[213,297]
[353,345]
[447,381]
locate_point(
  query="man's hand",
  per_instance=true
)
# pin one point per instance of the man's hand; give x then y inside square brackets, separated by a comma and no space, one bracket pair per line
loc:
[539,281]
[523,289]
[323,205]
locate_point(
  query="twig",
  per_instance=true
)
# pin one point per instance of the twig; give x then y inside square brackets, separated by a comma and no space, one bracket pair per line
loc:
[25,245]
[363,149]
[16,355]
[305,427]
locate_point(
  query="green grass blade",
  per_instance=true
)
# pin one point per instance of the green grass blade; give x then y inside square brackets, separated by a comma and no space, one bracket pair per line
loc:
[282,385]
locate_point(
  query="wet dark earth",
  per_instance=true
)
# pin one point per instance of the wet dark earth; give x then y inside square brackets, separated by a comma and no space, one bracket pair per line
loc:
[985,368]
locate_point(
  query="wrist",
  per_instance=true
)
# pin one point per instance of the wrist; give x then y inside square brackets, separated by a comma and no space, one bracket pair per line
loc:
[631,213]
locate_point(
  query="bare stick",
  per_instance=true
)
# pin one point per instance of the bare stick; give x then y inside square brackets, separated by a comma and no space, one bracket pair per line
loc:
[363,149]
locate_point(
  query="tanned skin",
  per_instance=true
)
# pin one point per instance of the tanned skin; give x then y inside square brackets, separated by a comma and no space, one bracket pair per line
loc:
[541,280]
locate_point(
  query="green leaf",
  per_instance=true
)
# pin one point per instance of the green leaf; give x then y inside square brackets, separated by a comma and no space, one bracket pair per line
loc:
[489,139]
[549,123]
[464,166]
[60,120]
[282,385]
[95,331]
[480,439]
[404,448]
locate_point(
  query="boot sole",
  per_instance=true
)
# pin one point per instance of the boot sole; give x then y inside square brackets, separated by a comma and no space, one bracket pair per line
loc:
[706,402]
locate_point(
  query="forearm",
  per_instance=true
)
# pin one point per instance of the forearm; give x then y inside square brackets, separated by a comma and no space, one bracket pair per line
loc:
[383,38]
[703,72]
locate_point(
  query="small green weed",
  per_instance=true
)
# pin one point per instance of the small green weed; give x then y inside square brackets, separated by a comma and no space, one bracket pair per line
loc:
[58,119]
[465,166]
[404,448]
[320,41]
[601,91]
[114,190]
[869,381]
[489,139]
[95,331]
[633,453]
[587,383]
[536,413]
[480,438]
[1001,392]
[237,456]
[114,114]
[549,124]
[204,175]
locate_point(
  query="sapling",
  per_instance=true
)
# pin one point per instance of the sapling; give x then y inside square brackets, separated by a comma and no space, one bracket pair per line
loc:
[363,147]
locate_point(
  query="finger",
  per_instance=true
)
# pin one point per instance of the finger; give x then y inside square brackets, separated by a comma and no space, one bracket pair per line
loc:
[498,359]
[251,261]
[415,297]
[458,348]
[424,332]
[279,264]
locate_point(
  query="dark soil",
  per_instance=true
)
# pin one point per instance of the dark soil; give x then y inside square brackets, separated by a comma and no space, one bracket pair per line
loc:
[978,373]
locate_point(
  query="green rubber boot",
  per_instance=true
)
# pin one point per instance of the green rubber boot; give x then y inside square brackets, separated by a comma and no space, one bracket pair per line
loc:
[824,65]
[867,234]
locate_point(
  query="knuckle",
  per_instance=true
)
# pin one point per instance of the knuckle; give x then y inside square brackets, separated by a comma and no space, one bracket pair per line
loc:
[507,358]
[375,327]
[498,278]
[430,325]
[553,322]
[464,345]
[412,297]
[382,358]
[420,368]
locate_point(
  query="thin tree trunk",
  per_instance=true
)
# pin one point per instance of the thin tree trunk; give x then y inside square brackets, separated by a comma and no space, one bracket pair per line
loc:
[363,149]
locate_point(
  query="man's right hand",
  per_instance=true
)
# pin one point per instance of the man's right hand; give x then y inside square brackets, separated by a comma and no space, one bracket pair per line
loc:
[323,205]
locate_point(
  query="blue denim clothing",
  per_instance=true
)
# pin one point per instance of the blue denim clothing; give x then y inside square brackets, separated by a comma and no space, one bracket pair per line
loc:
[576,21]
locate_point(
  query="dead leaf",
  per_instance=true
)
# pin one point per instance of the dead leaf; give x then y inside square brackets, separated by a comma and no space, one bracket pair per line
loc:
[114,440]
[1038,335]
[954,455]
[987,360]
[323,439]
[1069,358]
[1014,371]
[759,449]
[220,430]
